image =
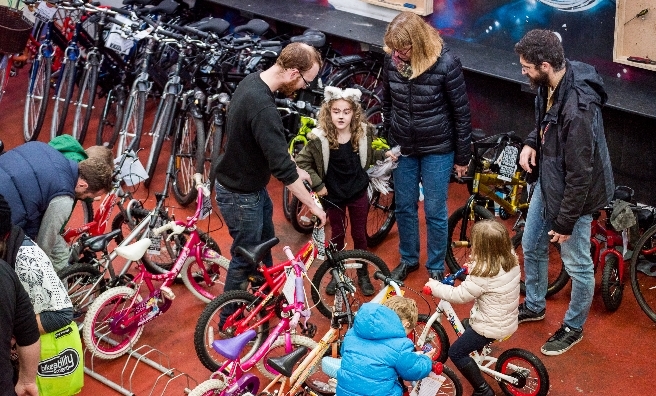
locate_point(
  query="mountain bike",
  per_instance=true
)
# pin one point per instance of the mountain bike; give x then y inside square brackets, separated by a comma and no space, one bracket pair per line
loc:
[518,371]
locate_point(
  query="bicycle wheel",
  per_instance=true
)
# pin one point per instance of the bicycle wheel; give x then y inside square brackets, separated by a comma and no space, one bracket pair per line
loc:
[5,69]
[210,387]
[98,336]
[348,262]
[369,77]
[132,123]
[111,118]
[83,283]
[287,196]
[460,231]
[279,348]
[527,368]
[161,128]
[380,218]
[557,275]
[189,158]
[612,288]
[209,327]
[436,337]
[301,216]
[451,385]
[63,96]
[193,276]
[85,99]
[36,102]
[643,266]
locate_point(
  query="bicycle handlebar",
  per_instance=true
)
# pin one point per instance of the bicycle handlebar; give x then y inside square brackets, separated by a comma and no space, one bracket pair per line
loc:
[386,279]
[172,226]
[449,280]
[189,30]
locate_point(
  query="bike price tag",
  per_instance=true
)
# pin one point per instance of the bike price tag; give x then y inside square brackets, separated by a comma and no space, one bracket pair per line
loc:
[289,289]
[429,386]
[507,162]
[44,12]
[155,247]
[115,39]
[206,209]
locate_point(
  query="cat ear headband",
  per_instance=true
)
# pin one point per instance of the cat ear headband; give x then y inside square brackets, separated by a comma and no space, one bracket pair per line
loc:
[334,93]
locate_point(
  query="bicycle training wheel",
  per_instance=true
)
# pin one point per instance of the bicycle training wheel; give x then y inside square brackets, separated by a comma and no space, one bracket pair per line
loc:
[643,268]
[234,305]
[532,375]
[349,263]
[97,332]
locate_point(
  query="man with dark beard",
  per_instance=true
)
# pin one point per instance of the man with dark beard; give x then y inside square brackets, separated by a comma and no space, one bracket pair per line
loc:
[256,148]
[567,155]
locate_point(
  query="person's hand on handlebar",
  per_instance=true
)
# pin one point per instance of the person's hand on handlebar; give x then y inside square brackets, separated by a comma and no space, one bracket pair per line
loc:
[303,175]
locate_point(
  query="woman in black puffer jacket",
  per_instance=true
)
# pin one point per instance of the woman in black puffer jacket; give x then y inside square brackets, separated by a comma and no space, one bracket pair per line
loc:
[426,112]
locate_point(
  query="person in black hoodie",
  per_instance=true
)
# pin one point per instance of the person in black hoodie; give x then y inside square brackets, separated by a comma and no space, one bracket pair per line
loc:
[566,154]
[426,113]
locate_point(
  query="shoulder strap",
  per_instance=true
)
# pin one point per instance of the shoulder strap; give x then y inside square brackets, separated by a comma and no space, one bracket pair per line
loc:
[16,239]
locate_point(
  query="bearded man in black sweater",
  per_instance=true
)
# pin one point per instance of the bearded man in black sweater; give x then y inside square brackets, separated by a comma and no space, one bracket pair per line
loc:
[256,148]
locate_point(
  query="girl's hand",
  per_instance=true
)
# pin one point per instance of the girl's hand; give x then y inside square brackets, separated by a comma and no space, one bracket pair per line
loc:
[322,192]
[391,155]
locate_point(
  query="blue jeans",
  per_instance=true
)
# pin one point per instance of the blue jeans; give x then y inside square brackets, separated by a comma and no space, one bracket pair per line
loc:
[575,253]
[249,218]
[433,171]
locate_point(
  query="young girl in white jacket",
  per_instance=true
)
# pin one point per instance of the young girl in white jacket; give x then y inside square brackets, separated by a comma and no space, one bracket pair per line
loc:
[493,285]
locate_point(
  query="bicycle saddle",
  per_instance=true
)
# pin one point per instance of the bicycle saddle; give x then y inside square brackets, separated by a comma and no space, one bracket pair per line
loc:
[231,347]
[285,364]
[254,26]
[135,251]
[214,25]
[100,242]
[255,254]
[314,38]
[168,7]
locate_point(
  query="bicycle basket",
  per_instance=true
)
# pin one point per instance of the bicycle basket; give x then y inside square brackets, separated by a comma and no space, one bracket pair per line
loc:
[14,30]
[499,153]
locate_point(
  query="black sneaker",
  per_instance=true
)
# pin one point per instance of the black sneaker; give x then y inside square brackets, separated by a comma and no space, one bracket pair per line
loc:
[436,274]
[526,315]
[402,270]
[561,341]
[366,287]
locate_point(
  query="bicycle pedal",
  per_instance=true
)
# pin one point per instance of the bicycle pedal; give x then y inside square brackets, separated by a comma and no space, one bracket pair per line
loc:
[310,330]
[167,292]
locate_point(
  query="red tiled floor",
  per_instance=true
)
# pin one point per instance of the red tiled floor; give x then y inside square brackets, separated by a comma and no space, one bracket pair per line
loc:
[612,359]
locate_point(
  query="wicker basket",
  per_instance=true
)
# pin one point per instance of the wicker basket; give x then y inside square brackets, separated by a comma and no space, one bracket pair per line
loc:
[14,30]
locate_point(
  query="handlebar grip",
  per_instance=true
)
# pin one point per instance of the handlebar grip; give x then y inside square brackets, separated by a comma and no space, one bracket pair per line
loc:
[458,244]
[427,290]
[269,43]
[198,179]
[283,102]
[438,367]
[242,40]
[169,34]
[118,22]
[307,186]
[189,30]
[386,279]
[121,11]
[150,21]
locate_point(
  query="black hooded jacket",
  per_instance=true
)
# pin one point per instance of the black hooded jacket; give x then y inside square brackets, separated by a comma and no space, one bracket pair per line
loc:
[428,114]
[575,172]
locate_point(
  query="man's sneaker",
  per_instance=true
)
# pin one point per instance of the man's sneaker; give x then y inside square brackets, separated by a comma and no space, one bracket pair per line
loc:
[436,274]
[526,315]
[561,341]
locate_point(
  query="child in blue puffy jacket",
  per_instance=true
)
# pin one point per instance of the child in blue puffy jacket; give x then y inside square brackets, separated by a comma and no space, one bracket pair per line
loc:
[377,352]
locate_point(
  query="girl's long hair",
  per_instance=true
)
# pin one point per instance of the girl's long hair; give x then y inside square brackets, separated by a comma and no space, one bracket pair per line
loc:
[491,249]
[326,123]
[409,29]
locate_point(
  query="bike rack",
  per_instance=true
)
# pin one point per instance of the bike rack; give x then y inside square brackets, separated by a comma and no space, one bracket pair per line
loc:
[157,360]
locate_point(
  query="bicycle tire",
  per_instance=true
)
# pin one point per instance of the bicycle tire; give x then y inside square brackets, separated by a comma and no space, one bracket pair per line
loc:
[5,69]
[63,96]
[535,384]
[351,259]
[96,330]
[85,99]
[456,258]
[612,287]
[643,263]
[301,217]
[36,101]
[192,277]
[381,217]
[287,196]
[111,119]
[161,127]
[207,328]
[374,116]
[278,349]
[451,385]
[557,275]
[132,123]
[189,157]
[215,142]
[369,77]
[209,387]
[80,283]
[436,338]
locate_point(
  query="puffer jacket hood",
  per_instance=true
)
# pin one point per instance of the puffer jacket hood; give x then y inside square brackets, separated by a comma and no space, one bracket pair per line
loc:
[379,323]
[588,84]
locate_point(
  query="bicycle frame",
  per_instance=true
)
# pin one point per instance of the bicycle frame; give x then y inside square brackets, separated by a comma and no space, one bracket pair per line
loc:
[484,186]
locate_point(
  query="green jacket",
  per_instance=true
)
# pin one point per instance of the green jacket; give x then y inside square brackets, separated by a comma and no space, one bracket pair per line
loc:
[315,155]
[70,147]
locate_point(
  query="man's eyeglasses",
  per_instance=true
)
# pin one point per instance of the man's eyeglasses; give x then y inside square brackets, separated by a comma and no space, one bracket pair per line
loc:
[527,68]
[307,84]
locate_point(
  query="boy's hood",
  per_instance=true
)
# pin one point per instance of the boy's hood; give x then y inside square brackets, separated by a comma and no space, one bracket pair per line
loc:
[375,321]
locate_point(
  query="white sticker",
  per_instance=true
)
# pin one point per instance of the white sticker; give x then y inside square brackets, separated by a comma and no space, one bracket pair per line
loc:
[119,43]
[289,289]
[44,12]
[206,210]
[132,172]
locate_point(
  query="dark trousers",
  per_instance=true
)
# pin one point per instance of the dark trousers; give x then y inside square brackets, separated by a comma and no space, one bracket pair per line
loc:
[357,210]
[468,342]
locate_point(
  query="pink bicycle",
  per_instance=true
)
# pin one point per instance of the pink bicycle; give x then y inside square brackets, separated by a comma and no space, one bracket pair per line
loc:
[115,320]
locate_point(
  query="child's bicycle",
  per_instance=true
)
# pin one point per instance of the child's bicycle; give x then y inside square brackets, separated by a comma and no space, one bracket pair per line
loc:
[518,371]
[115,320]
[255,309]
[232,377]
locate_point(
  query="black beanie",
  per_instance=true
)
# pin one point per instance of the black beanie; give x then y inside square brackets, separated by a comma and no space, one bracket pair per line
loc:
[5,217]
